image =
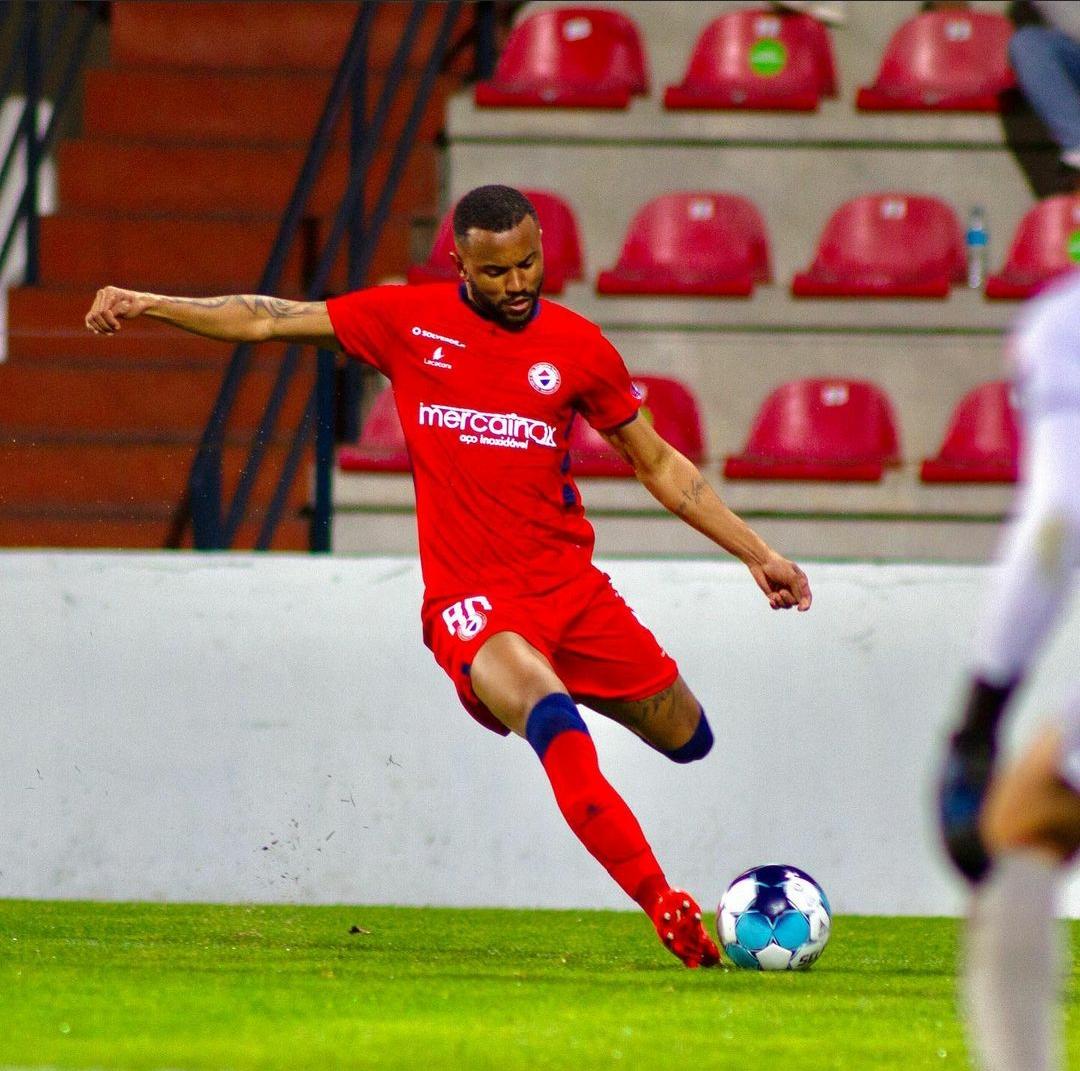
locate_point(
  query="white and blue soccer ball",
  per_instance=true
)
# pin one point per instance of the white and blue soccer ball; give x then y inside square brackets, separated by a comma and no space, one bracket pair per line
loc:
[774,918]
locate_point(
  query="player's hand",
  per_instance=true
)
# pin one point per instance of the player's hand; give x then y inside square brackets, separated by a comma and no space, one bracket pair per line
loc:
[112,305]
[783,582]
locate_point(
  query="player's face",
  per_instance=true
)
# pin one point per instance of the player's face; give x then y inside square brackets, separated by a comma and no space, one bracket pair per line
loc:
[503,270]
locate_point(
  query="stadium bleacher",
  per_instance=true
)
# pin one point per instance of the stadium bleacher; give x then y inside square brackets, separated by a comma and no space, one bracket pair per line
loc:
[798,169]
[728,328]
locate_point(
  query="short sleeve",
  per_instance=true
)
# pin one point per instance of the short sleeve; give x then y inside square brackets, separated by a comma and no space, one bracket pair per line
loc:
[362,322]
[608,399]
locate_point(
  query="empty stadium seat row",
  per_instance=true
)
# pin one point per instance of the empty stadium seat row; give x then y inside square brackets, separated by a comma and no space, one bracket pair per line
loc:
[810,429]
[704,243]
[758,58]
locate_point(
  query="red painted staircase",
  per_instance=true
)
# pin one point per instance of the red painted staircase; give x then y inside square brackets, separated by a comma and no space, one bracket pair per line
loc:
[191,143]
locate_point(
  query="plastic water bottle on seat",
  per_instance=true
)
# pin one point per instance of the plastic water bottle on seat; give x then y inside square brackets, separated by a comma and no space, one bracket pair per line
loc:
[976,240]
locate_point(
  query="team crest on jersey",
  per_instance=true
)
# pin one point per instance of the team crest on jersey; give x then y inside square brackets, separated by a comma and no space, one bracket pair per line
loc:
[466,619]
[544,378]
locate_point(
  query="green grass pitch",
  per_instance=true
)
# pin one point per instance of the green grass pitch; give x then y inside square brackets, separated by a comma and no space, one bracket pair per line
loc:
[86,985]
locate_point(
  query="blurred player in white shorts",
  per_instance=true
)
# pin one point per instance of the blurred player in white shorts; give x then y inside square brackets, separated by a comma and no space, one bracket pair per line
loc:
[1012,830]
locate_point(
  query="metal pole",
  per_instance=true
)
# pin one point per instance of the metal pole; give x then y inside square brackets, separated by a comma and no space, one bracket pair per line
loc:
[33,145]
[485,40]
[350,380]
[324,451]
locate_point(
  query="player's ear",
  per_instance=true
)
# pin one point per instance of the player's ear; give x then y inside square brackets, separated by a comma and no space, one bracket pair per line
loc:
[459,264]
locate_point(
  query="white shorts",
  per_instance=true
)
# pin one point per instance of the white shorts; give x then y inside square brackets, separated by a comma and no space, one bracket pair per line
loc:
[1044,349]
[1069,763]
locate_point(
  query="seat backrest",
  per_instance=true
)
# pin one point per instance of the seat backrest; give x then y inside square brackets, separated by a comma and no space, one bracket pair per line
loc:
[698,233]
[825,420]
[572,47]
[954,52]
[983,426]
[671,408]
[759,44]
[560,239]
[382,438]
[1047,239]
[896,235]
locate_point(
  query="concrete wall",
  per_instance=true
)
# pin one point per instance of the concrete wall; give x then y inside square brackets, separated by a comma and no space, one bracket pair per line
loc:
[270,728]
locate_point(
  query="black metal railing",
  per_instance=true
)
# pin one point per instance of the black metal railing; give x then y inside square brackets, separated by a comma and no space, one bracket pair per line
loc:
[215,522]
[47,45]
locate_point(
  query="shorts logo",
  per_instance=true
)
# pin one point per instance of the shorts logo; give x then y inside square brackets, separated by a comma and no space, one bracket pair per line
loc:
[545,378]
[466,619]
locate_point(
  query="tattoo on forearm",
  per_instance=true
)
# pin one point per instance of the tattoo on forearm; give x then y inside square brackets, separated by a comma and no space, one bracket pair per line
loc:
[274,307]
[201,302]
[691,496]
[277,308]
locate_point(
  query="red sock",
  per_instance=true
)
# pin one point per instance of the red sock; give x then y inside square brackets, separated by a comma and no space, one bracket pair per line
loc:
[600,818]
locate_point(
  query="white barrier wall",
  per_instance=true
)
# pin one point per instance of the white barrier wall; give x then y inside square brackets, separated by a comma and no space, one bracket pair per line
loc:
[270,728]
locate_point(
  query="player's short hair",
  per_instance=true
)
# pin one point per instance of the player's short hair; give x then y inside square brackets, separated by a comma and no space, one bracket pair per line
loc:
[491,208]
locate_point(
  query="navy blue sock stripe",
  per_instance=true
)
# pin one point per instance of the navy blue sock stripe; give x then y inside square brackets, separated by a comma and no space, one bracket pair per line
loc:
[554,714]
[697,747]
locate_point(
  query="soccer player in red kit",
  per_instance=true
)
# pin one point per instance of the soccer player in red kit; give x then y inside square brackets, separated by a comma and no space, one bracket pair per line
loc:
[488,379]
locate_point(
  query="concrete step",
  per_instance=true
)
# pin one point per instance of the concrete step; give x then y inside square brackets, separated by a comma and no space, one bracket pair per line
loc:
[647,122]
[166,255]
[119,476]
[230,107]
[275,35]
[179,255]
[896,520]
[142,402]
[772,308]
[95,175]
[87,528]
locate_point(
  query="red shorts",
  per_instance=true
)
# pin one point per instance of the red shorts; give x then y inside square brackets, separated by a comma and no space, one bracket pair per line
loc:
[592,639]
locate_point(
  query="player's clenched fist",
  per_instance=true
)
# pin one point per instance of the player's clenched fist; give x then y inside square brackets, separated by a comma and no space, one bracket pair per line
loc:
[111,305]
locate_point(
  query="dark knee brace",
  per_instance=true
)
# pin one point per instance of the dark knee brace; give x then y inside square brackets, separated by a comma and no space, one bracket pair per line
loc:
[698,746]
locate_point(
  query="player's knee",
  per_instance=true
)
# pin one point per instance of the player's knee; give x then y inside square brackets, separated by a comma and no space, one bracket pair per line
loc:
[699,744]
[1031,816]
[551,716]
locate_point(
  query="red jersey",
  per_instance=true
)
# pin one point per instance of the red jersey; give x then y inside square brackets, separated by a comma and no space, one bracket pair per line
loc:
[487,412]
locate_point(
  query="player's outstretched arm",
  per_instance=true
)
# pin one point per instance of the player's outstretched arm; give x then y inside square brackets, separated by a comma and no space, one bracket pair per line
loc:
[677,484]
[229,318]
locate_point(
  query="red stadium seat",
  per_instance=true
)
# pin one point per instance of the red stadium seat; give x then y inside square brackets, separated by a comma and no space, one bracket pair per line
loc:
[943,61]
[382,441]
[886,245]
[572,57]
[982,442]
[819,429]
[1046,245]
[758,59]
[562,246]
[670,406]
[692,243]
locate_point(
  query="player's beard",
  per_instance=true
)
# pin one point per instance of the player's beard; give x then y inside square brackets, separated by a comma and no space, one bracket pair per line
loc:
[495,311]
